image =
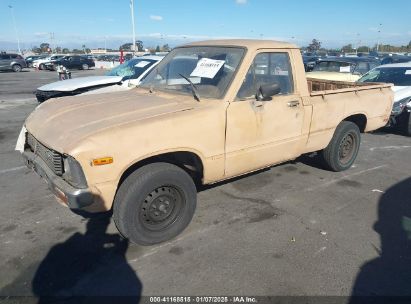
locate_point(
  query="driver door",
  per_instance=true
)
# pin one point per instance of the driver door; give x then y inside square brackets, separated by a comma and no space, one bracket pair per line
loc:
[262,133]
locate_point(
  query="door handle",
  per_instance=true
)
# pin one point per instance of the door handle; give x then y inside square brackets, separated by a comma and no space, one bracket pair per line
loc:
[293,104]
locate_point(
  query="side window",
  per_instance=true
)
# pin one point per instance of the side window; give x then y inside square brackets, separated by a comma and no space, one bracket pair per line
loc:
[268,68]
[4,57]
[362,67]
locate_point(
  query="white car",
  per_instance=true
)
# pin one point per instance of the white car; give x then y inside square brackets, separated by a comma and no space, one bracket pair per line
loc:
[123,77]
[400,75]
[39,63]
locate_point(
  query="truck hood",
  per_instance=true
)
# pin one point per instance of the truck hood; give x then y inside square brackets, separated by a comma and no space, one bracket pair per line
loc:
[78,83]
[401,92]
[61,123]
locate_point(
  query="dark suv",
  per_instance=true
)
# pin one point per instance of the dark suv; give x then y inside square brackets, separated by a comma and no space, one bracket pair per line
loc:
[71,62]
[12,62]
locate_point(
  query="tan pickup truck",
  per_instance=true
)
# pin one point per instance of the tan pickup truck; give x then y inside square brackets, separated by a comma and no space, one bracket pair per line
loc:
[208,112]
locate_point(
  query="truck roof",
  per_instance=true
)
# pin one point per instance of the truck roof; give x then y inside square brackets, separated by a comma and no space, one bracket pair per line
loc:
[251,44]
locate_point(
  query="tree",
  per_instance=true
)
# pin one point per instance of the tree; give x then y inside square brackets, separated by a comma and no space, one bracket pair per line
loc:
[88,51]
[36,50]
[157,48]
[409,46]
[314,46]
[363,49]
[347,48]
[65,51]
[140,45]
[126,46]
[58,49]
[166,48]
[129,46]
[44,47]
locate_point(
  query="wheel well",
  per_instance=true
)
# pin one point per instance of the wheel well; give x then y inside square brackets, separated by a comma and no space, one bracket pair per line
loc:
[359,119]
[188,161]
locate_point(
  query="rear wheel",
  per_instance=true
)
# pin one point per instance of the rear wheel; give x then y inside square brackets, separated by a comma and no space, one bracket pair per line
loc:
[155,203]
[343,148]
[16,68]
[42,66]
[84,66]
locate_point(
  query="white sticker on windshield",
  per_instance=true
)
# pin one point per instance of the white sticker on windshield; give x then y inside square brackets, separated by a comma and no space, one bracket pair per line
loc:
[207,68]
[142,64]
[345,69]
[408,72]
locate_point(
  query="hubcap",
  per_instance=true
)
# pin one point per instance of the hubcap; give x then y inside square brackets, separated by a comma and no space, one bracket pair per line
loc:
[161,208]
[347,148]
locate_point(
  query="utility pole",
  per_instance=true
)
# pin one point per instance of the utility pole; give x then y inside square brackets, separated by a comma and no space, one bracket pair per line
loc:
[132,24]
[15,27]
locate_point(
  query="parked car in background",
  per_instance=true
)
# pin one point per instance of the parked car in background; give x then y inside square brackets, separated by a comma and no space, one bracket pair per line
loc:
[29,59]
[400,75]
[395,59]
[123,77]
[310,62]
[12,62]
[41,63]
[71,62]
[342,69]
[128,57]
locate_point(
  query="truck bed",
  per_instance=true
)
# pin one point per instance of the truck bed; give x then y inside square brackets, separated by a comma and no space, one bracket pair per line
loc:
[324,87]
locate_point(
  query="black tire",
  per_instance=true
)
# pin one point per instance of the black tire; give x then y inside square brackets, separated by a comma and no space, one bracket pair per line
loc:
[84,66]
[408,126]
[405,123]
[16,68]
[42,66]
[343,148]
[154,204]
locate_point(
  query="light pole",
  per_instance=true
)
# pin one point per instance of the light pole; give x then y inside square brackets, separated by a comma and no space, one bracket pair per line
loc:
[132,24]
[15,27]
[379,37]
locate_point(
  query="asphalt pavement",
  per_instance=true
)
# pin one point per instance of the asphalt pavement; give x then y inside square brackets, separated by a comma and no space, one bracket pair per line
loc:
[295,229]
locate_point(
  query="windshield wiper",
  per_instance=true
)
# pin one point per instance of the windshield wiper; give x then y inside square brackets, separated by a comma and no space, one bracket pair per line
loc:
[193,87]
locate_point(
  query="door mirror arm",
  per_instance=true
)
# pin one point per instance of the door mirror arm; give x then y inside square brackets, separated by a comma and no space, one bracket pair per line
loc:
[267,91]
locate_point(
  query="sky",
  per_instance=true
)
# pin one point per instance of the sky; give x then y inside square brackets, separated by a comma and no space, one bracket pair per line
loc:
[100,23]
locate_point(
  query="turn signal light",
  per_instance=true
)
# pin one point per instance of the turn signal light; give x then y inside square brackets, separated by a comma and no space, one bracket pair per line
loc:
[102,161]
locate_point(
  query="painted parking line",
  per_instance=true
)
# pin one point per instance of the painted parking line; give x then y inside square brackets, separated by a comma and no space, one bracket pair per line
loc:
[12,169]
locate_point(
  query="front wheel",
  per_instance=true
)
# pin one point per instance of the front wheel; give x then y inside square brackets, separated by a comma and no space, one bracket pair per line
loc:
[343,148]
[84,66]
[16,68]
[42,66]
[155,203]
[404,123]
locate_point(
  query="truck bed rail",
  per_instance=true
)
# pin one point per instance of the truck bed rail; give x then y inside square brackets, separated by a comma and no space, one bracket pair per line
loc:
[323,87]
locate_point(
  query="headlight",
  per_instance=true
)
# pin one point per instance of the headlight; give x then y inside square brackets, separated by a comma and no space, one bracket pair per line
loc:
[73,174]
[399,106]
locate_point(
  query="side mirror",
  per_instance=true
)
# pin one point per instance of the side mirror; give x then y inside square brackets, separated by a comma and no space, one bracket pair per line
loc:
[266,91]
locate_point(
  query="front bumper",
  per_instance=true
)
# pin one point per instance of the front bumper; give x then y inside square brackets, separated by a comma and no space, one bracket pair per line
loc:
[73,197]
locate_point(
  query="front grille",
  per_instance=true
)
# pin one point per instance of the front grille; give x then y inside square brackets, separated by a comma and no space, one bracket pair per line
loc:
[53,159]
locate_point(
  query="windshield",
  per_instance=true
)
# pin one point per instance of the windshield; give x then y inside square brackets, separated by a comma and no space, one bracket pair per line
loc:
[209,69]
[132,69]
[400,76]
[333,66]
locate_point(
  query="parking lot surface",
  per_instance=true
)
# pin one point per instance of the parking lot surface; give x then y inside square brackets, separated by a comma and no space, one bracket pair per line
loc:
[20,86]
[294,229]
